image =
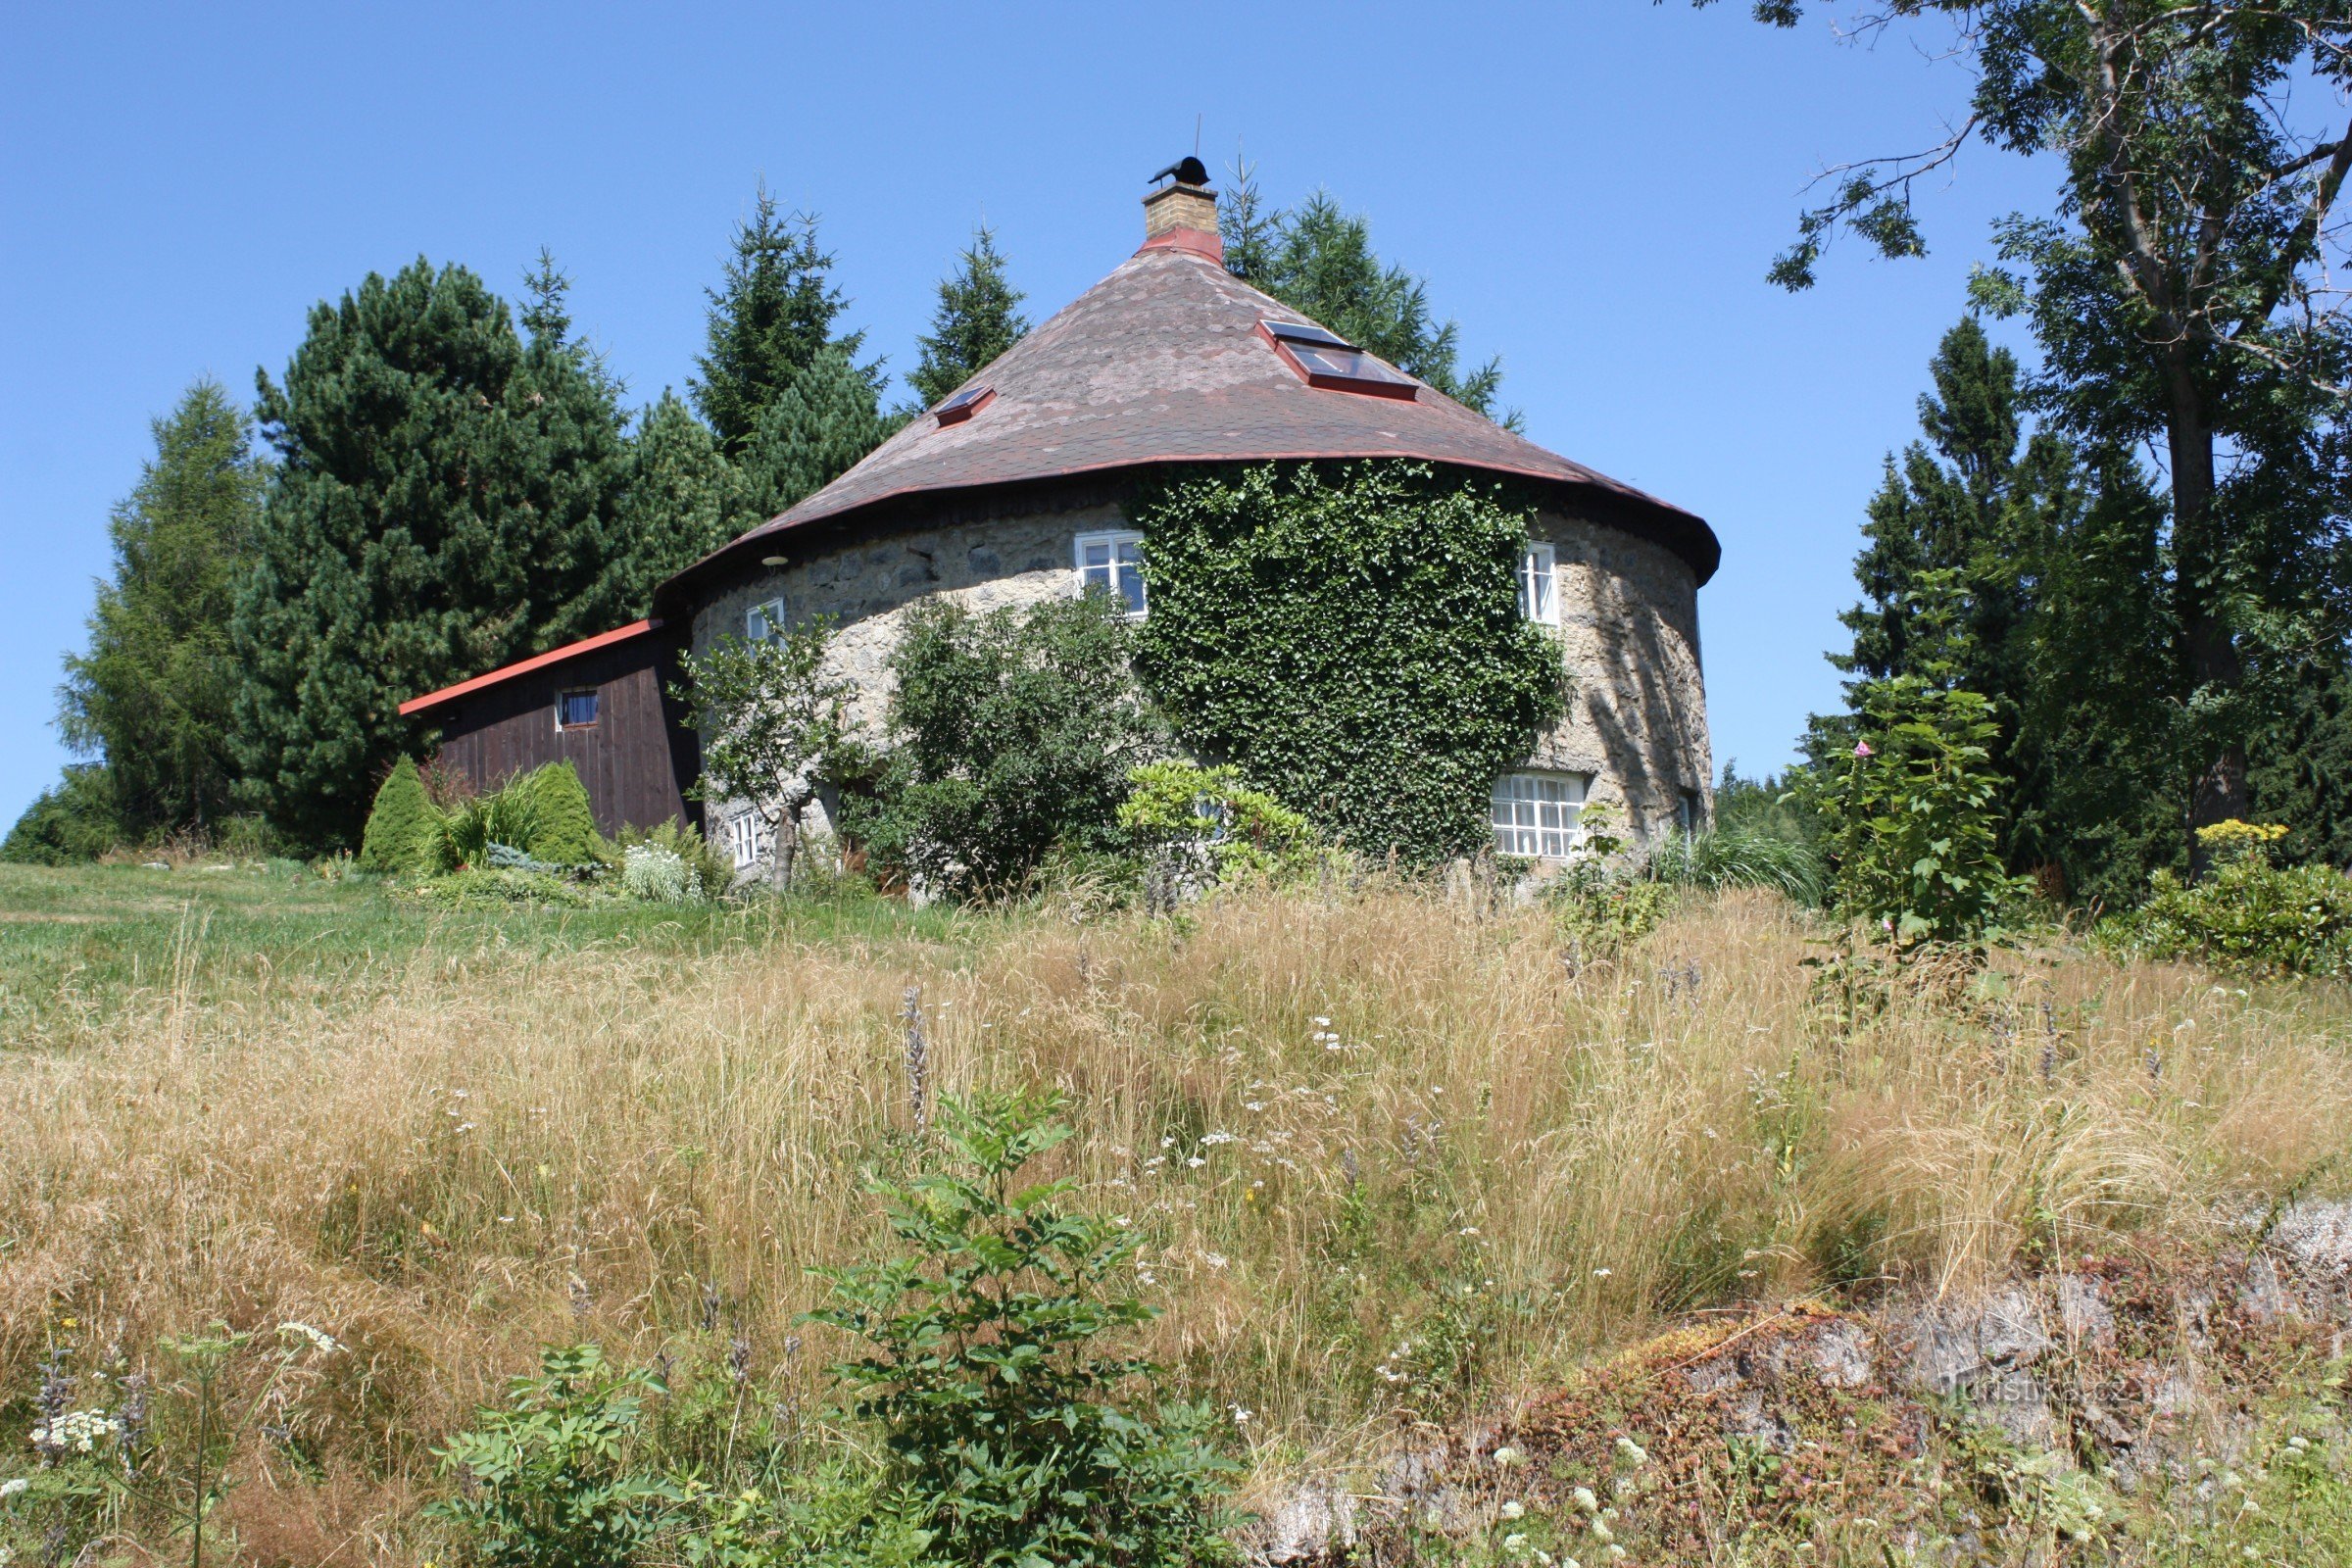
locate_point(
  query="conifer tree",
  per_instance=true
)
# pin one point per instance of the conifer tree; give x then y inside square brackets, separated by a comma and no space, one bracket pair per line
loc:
[978,318]
[1318,259]
[768,319]
[442,505]
[576,463]
[823,422]
[683,500]
[152,695]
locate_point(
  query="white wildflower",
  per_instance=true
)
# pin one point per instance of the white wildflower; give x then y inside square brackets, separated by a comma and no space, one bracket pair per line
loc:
[1631,1452]
[1583,1497]
[324,1344]
[1209,1139]
[1196,1162]
[1513,1509]
[1514,1542]
[1322,1023]
[12,1486]
[1240,1416]
[1602,1273]
[1507,1456]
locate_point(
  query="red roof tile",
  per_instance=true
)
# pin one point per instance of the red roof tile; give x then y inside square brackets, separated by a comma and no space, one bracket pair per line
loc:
[1162,362]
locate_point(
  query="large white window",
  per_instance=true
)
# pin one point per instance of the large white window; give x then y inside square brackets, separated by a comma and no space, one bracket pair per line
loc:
[765,621]
[1539,586]
[1113,562]
[1534,814]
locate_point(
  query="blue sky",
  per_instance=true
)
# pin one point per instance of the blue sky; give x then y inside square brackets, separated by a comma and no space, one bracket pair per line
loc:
[1593,188]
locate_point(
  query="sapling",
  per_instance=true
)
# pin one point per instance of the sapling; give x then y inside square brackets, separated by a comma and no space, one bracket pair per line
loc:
[774,726]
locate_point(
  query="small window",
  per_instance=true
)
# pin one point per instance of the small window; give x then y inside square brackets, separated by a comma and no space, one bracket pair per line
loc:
[747,839]
[964,404]
[1539,588]
[1113,562]
[576,709]
[763,622]
[1535,814]
[1333,362]
[1690,811]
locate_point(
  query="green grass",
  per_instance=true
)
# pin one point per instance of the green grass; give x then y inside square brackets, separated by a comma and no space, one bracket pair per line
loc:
[77,944]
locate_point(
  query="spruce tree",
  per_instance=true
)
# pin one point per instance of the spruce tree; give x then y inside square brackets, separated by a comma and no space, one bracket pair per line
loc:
[978,318]
[1318,259]
[152,695]
[442,505]
[575,466]
[767,322]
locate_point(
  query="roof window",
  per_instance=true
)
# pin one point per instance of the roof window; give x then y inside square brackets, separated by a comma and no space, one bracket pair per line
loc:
[964,404]
[1327,361]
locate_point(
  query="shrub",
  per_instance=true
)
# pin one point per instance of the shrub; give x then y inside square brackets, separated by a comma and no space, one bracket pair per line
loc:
[2247,913]
[1013,731]
[1352,639]
[1912,830]
[563,821]
[1737,857]
[712,870]
[985,1373]
[403,831]
[1207,817]
[657,875]
[551,1482]
[73,820]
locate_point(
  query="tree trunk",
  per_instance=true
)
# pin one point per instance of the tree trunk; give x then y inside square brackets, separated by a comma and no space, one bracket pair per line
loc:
[785,844]
[2208,652]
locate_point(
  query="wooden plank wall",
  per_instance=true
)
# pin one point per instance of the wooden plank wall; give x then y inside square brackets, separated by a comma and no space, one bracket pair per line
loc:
[638,757]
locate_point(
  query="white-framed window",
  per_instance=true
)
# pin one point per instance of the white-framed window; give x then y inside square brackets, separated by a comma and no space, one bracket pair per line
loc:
[747,839]
[1538,585]
[1535,814]
[763,621]
[1113,562]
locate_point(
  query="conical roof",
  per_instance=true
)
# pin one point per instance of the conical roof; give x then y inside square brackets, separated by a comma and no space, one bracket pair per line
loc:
[1163,363]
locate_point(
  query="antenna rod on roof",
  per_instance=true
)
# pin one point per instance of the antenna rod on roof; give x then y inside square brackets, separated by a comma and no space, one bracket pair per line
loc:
[1197,119]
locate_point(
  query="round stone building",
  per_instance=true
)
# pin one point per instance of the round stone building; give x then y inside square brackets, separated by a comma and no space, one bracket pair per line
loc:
[1013,489]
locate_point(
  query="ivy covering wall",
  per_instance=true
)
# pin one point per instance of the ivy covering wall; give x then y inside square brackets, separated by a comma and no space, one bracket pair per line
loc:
[1349,637]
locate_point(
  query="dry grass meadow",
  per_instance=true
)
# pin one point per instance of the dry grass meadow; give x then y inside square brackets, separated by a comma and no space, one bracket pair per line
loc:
[1392,1157]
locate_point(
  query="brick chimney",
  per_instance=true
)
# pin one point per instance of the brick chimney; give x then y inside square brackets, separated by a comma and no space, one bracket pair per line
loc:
[1182,215]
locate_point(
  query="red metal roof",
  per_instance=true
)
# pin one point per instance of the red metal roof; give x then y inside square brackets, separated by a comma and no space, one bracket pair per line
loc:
[1164,362]
[553,656]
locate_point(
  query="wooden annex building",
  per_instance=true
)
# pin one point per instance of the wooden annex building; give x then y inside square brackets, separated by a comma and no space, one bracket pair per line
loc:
[603,704]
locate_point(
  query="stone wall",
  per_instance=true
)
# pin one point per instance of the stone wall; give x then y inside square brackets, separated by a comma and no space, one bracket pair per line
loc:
[1628,631]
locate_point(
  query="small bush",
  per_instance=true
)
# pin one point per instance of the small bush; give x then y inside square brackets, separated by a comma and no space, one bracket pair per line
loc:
[74,820]
[403,830]
[997,1404]
[657,875]
[1217,826]
[712,870]
[1737,857]
[1011,732]
[489,888]
[551,1477]
[2247,913]
[563,821]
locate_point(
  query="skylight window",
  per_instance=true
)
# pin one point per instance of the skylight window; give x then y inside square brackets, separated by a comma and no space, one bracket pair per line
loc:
[964,404]
[1329,361]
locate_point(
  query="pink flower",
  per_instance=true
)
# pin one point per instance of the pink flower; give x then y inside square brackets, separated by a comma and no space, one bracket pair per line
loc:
[1862,748]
